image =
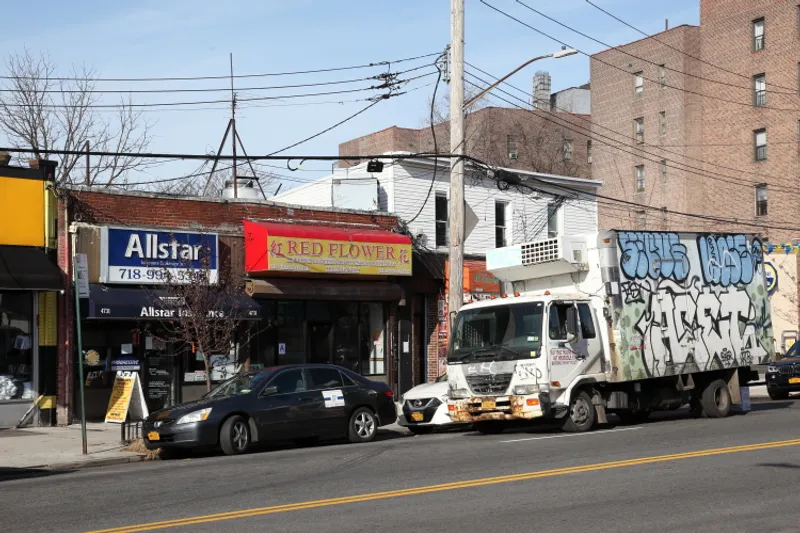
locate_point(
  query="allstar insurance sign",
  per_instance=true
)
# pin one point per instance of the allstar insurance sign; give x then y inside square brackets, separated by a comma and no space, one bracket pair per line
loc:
[147,256]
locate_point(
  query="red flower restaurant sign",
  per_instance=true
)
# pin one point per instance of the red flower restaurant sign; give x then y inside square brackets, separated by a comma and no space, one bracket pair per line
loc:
[273,247]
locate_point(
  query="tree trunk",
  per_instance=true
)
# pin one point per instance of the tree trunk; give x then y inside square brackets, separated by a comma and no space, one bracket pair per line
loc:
[208,371]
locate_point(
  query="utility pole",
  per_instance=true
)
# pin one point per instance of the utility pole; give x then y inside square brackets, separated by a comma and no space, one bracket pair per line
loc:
[456,205]
[233,127]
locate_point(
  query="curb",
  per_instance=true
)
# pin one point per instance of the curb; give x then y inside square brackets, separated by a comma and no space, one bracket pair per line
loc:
[80,465]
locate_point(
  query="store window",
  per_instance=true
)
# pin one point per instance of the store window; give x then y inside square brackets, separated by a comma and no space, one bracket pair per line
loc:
[373,362]
[16,346]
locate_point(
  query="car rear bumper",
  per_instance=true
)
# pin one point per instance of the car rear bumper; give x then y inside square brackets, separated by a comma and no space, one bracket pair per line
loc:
[386,414]
[196,435]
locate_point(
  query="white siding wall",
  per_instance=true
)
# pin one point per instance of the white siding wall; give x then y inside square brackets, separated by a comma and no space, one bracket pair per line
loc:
[315,194]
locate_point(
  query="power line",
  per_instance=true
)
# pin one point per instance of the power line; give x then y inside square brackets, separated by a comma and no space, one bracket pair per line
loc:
[227,76]
[594,58]
[723,69]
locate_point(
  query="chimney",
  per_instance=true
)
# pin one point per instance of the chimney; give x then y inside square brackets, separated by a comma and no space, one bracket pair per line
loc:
[48,167]
[666,24]
[541,90]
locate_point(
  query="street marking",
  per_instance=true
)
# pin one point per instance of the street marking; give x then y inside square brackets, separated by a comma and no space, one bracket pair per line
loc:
[261,511]
[573,434]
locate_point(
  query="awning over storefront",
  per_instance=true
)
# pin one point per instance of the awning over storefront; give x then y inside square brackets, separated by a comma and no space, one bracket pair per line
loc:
[28,268]
[106,302]
[272,248]
[295,289]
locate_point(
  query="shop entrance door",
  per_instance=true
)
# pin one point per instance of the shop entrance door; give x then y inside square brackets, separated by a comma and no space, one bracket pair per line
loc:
[319,343]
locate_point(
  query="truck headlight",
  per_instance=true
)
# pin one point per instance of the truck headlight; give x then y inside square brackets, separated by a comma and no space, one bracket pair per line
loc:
[195,416]
[772,369]
[522,390]
[459,394]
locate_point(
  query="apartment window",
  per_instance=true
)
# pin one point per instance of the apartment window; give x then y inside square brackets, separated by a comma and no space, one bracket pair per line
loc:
[638,130]
[760,139]
[663,170]
[758,35]
[639,174]
[760,90]
[662,123]
[761,200]
[512,147]
[553,228]
[638,84]
[567,149]
[500,224]
[442,227]
[589,151]
[641,220]
[662,76]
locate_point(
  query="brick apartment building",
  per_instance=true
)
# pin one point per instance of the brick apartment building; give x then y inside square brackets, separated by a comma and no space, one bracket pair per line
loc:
[703,119]
[551,142]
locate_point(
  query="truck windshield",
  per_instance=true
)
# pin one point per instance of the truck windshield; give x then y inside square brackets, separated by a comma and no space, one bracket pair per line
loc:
[501,331]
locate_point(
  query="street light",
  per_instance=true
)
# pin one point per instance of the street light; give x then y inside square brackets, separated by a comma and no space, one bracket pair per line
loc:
[564,52]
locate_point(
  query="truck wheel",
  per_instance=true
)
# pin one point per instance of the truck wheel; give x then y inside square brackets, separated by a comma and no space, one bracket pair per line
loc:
[778,394]
[489,428]
[716,399]
[581,415]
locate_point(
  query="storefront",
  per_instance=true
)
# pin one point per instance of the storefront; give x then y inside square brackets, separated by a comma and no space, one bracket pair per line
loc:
[327,295]
[29,285]
[131,319]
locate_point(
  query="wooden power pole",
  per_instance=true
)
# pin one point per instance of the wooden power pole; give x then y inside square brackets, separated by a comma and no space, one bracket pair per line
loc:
[456,205]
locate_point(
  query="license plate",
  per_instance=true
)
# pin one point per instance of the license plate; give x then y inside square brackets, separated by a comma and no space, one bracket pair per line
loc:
[794,380]
[416,417]
[153,435]
[488,405]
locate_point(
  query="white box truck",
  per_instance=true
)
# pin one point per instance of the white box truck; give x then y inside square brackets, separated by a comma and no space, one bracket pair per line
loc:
[622,322]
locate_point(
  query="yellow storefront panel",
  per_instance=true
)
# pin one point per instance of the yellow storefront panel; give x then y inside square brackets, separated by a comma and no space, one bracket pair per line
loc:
[22,214]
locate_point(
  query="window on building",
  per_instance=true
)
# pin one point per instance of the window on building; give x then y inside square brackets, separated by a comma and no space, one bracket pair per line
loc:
[662,75]
[589,152]
[760,90]
[639,173]
[662,123]
[638,130]
[638,84]
[761,200]
[553,226]
[758,35]
[512,146]
[760,139]
[641,220]
[567,149]
[500,224]
[663,170]
[442,227]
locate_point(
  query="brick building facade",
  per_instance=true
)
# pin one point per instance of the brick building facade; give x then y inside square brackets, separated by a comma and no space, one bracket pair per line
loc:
[679,120]
[534,140]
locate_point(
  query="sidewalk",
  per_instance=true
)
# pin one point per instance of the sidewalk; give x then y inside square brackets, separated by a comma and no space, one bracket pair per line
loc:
[59,448]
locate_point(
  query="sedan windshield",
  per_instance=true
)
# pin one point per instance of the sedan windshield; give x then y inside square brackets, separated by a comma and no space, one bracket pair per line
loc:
[497,332]
[239,385]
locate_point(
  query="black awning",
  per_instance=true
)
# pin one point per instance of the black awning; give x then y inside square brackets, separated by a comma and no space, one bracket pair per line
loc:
[107,302]
[28,268]
[320,289]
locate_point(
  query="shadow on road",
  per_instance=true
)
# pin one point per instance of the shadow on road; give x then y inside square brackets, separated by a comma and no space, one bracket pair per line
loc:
[781,465]
[9,474]
[770,406]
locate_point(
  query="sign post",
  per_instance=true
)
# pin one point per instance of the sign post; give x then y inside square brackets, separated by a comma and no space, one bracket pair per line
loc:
[80,275]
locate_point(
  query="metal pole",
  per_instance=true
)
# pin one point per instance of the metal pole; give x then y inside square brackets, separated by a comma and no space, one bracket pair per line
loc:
[233,138]
[88,169]
[456,204]
[79,345]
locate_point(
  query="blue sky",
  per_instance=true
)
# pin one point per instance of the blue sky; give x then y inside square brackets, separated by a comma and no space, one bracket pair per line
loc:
[182,38]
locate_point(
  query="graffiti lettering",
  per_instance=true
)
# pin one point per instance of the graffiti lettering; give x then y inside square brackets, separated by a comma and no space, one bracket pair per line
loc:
[653,255]
[728,260]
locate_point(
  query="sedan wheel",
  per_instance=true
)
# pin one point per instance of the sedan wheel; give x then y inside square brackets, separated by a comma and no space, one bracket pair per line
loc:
[363,425]
[234,437]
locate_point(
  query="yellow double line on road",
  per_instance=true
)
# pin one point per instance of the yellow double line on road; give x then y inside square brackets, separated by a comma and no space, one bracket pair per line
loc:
[300,506]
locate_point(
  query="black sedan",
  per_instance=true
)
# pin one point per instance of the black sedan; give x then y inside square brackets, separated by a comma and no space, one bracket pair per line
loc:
[783,376]
[280,403]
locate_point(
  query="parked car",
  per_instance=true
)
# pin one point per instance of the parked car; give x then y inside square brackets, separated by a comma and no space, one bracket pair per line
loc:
[292,402]
[783,376]
[424,408]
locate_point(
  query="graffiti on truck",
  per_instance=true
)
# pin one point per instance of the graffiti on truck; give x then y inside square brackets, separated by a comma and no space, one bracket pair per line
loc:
[691,303]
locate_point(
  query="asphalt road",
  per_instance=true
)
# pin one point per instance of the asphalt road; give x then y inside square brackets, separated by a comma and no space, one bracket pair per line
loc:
[674,473]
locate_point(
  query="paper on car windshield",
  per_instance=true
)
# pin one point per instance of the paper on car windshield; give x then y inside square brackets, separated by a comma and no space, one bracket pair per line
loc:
[333,398]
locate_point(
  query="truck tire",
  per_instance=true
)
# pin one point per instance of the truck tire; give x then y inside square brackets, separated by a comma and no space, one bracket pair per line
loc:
[581,415]
[489,428]
[716,399]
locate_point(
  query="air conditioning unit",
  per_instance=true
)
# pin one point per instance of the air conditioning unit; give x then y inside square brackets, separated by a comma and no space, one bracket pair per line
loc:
[539,259]
[512,156]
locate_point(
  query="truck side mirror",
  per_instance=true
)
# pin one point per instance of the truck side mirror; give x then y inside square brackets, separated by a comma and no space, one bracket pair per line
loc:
[572,325]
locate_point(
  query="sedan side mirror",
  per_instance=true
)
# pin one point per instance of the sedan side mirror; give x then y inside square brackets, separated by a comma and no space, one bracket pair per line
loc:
[269,391]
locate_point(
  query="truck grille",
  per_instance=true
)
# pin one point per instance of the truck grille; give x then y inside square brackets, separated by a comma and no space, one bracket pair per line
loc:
[491,384]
